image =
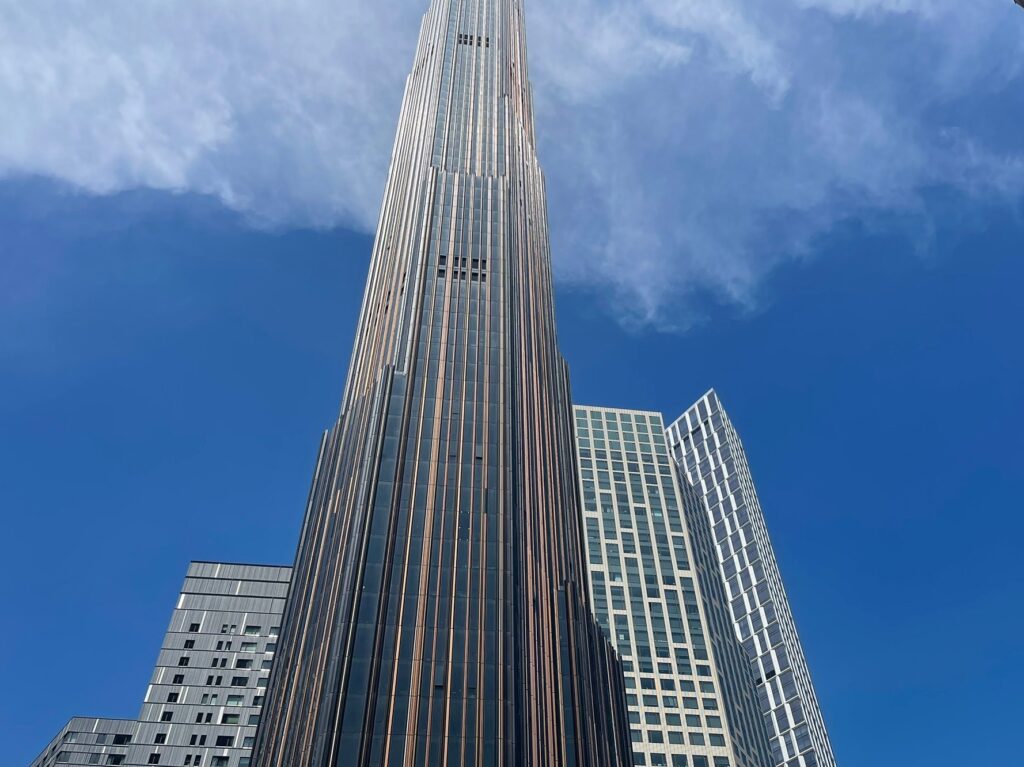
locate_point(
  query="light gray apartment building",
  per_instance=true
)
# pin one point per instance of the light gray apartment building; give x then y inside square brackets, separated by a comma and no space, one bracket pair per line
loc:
[204,698]
[689,689]
[708,453]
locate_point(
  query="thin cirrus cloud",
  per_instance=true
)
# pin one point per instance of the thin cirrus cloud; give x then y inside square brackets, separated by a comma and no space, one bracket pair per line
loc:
[691,145]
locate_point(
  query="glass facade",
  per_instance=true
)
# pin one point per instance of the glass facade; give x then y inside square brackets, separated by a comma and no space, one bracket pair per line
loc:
[689,689]
[709,454]
[438,612]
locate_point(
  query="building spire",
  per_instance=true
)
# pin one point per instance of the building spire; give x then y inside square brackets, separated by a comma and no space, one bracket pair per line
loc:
[438,614]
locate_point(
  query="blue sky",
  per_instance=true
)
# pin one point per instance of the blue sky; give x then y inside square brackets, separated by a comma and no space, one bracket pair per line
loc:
[815,206]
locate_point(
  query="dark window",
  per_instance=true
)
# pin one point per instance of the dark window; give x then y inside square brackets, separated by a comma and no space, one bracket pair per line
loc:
[161,737]
[120,740]
[166,716]
[154,759]
[194,628]
[183,660]
[225,741]
[239,681]
[189,644]
[178,679]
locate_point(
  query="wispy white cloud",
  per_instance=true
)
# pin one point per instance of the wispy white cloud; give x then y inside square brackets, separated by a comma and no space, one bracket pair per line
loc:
[691,146]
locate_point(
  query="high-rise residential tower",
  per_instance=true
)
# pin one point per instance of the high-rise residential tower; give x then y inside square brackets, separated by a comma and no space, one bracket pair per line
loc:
[657,592]
[438,612]
[708,453]
[204,698]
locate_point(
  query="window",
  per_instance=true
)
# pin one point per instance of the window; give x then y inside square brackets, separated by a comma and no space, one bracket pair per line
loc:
[243,663]
[193,628]
[161,737]
[178,679]
[225,741]
[172,697]
[239,681]
[229,718]
[154,759]
[63,756]
[189,644]
[220,761]
[248,647]
[253,630]
[120,740]
[254,719]
[183,660]
[166,716]
[94,758]
[115,758]
[235,700]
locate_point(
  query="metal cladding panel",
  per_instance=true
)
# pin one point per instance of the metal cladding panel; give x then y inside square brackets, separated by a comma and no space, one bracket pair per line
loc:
[709,454]
[206,693]
[88,740]
[436,614]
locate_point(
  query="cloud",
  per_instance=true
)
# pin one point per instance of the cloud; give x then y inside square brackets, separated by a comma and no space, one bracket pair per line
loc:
[691,146]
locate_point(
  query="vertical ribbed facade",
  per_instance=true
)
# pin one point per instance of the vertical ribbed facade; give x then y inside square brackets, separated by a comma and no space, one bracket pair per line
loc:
[709,454]
[438,611]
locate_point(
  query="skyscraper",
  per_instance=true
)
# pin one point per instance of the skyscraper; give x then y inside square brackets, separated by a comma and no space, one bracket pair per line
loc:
[657,592]
[708,453]
[206,692]
[438,612]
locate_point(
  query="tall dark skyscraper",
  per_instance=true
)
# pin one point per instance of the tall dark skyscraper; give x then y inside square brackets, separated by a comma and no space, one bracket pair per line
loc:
[438,612]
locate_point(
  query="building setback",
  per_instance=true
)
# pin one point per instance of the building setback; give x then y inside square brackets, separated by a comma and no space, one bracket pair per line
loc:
[206,693]
[439,611]
[689,689]
[708,452]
